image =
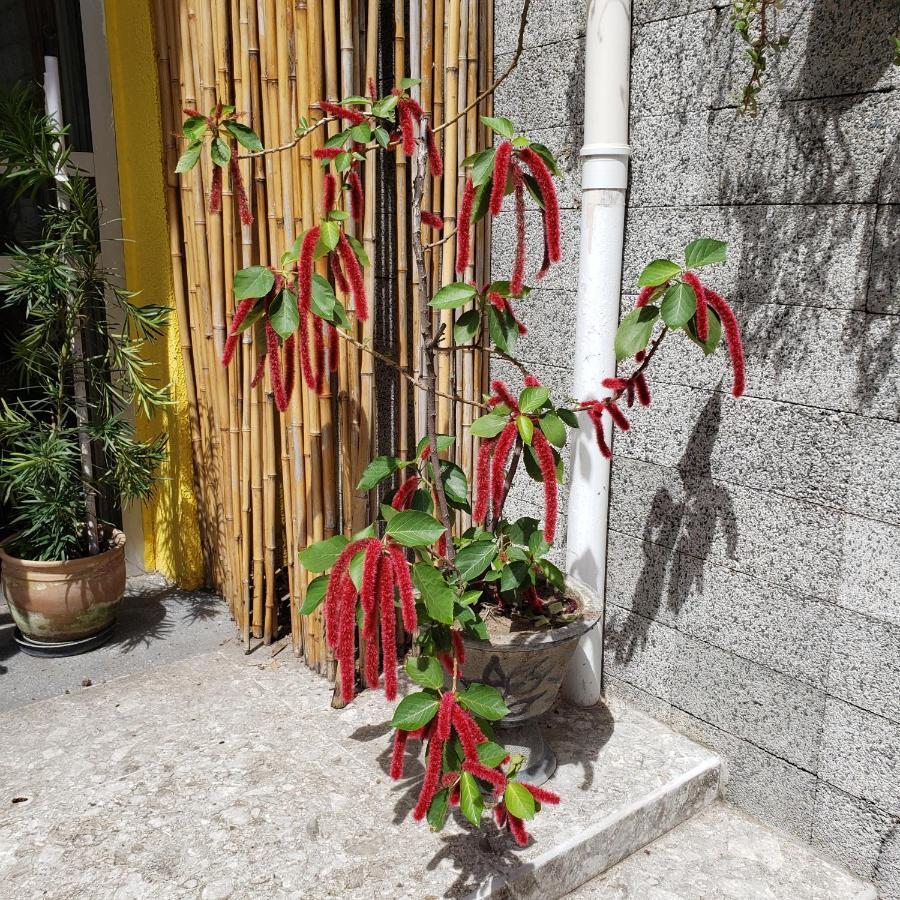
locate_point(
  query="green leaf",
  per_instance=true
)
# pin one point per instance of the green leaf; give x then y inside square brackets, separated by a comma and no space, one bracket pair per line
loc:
[220,152]
[482,201]
[714,334]
[321,556]
[484,701]
[315,594]
[255,281]
[526,428]
[359,250]
[437,811]
[284,316]
[658,272]
[194,128]
[355,569]
[384,108]
[414,529]
[533,398]
[704,252]
[452,295]
[329,234]
[245,136]
[253,316]
[482,167]
[503,329]
[336,140]
[437,595]
[553,429]
[501,125]
[189,158]
[487,426]
[474,558]
[387,512]
[382,137]
[376,471]
[407,83]
[443,441]
[634,331]
[491,754]
[547,157]
[513,576]
[471,803]
[678,305]
[425,671]
[456,486]
[414,711]
[338,215]
[322,300]
[467,327]
[519,801]
[568,417]
[361,133]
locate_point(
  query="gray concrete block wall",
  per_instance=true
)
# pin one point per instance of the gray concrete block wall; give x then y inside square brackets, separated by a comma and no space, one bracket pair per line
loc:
[753,581]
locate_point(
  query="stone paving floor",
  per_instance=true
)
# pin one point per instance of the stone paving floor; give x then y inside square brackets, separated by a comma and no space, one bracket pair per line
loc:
[224,775]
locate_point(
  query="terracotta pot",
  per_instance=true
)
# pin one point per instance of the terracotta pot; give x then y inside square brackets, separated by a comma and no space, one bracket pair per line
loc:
[528,667]
[65,601]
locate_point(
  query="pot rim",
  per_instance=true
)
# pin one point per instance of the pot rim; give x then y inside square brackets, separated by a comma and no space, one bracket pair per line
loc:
[523,641]
[117,546]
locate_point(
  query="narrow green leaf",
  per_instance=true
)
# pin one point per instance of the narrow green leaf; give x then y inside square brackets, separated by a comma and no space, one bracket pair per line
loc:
[568,417]
[547,157]
[376,471]
[553,429]
[425,671]
[658,272]
[526,428]
[321,556]
[483,166]
[678,305]
[220,152]
[414,711]
[519,801]
[501,125]
[189,158]
[245,136]
[452,295]
[438,810]
[437,595]
[414,529]
[471,803]
[533,398]
[315,594]
[484,701]
[322,300]
[487,426]
[284,315]
[704,252]
[255,281]
[359,250]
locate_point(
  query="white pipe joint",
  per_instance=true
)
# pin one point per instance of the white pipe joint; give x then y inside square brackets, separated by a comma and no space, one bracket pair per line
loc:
[604,166]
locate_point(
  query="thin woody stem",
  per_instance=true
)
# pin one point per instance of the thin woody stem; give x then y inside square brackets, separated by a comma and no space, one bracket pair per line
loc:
[290,144]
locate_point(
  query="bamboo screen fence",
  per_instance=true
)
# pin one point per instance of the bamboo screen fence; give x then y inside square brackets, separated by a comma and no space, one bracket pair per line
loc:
[268,484]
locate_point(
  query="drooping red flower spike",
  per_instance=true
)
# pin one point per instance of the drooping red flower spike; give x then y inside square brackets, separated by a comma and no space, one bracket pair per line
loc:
[432,220]
[318,354]
[445,712]
[241,313]
[463,234]
[432,777]
[327,152]
[732,339]
[440,546]
[501,172]
[544,453]
[532,381]
[405,493]
[340,281]
[332,348]
[617,415]
[542,795]
[348,113]
[356,195]
[435,162]
[517,829]
[493,777]
[615,384]
[335,589]
[368,595]
[642,389]
[215,192]
[483,480]
[330,190]
[237,183]
[501,391]
[702,315]
[259,371]
[405,586]
[272,351]
[304,303]
[498,464]
[388,627]
[407,128]
[544,180]
[595,413]
[289,351]
[470,735]
[459,649]
[355,276]
[400,739]
[193,113]
[517,279]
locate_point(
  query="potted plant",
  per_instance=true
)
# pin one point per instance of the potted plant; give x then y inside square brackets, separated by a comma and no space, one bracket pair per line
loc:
[64,435]
[492,621]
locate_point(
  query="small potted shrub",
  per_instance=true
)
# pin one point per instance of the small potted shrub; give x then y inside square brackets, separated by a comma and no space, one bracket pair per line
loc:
[64,436]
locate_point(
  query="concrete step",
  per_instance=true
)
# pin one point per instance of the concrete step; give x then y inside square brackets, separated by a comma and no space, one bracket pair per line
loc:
[227,775]
[724,854]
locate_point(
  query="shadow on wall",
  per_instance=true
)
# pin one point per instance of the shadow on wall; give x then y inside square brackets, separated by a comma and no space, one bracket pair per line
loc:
[678,536]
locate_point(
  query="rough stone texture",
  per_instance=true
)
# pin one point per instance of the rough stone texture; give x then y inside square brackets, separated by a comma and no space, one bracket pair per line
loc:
[754,583]
[225,775]
[725,854]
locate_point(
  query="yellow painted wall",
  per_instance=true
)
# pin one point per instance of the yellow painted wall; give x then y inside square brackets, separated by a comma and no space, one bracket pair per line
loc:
[171,533]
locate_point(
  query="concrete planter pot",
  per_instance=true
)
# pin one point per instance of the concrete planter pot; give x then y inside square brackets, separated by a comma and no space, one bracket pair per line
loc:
[528,668]
[62,607]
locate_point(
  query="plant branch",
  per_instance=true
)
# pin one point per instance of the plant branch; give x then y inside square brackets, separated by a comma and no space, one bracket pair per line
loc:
[290,144]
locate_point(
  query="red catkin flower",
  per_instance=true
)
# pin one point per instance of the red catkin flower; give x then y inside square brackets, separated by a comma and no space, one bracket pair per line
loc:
[405,586]
[617,415]
[483,480]
[463,227]
[432,221]
[329,194]
[644,296]
[355,277]
[440,546]
[545,262]
[517,829]
[542,795]
[272,350]
[498,465]
[459,649]
[215,192]
[400,739]
[370,584]
[500,815]
[432,776]
[304,289]
[501,171]
[502,391]
[544,454]
[237,183]
[732,338]
[405,492]
[318,354]
[336,270]
[532,381]
[551,203]
[332,348]
[615,384]
[258,372]
[445,713]
[426,452]
[190,111]
[371,86]
[702,315]
[241,313]
[289,365]
[498,302]
[407,128]
[517,279]
[435,162]
[454,794]
[356,195]
[327,152]
[334,594]
[491,776]
[470,735]
[413,107]
[347,113]
[595,412]
[388,628]
[642,389]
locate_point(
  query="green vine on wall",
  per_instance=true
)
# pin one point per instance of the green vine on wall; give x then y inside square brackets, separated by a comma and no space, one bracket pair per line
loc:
[753,21]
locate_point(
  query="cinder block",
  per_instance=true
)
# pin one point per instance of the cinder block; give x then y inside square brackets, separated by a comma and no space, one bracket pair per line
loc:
[781,630]
[874,489]
[815,256]
[549,21]
[655,10]
[788,543]
[861,754]
[884,269]
[870,584]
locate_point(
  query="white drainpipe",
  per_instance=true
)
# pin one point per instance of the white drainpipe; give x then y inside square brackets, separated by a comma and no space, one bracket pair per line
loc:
[604,178]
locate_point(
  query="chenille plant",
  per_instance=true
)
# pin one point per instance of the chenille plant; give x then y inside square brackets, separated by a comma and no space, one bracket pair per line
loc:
[413,568]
